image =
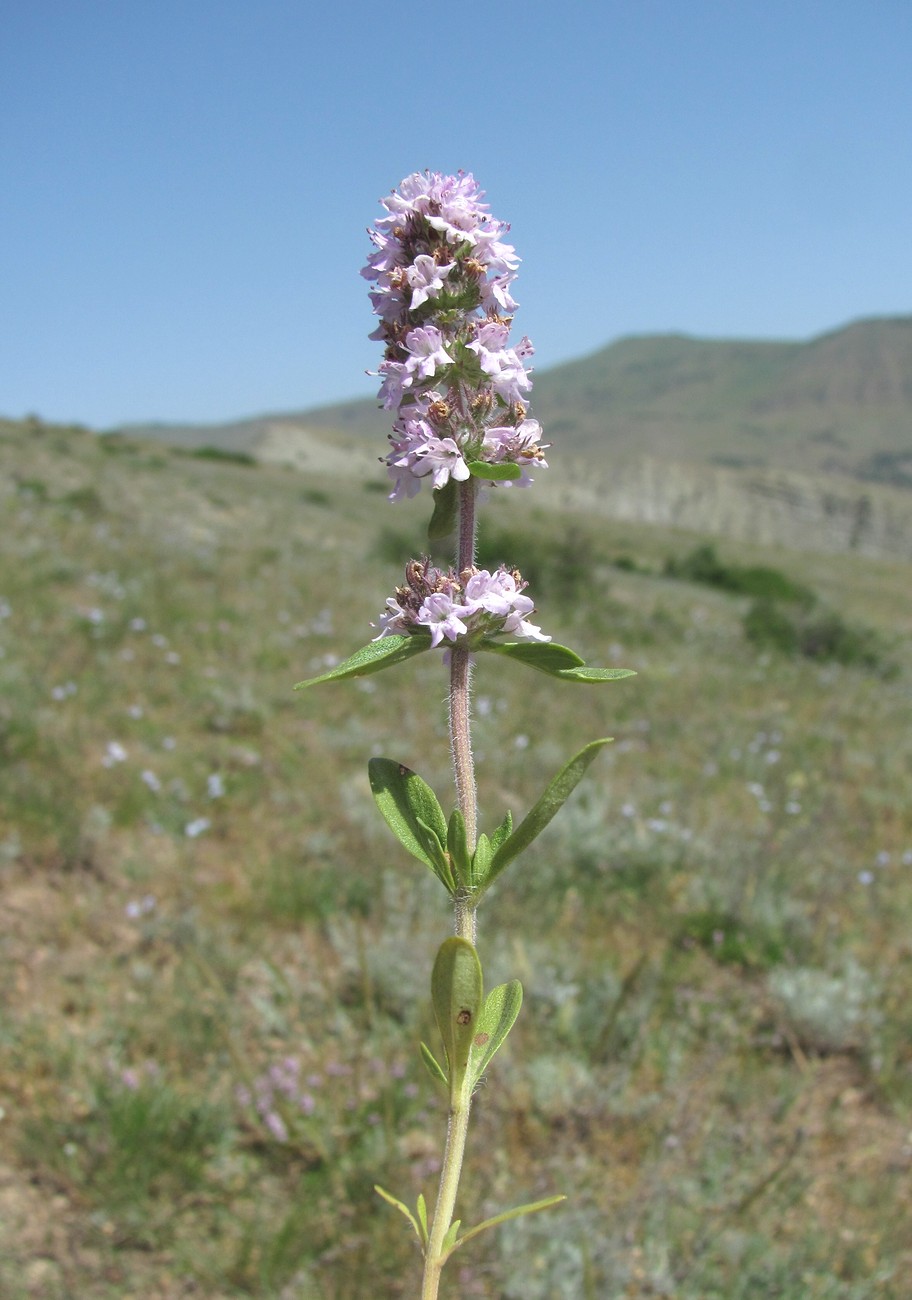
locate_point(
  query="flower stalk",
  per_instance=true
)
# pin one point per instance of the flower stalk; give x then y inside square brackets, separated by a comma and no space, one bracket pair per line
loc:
[460,711]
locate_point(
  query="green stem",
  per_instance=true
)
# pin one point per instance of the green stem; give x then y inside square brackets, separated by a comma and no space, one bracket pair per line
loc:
[457,1131]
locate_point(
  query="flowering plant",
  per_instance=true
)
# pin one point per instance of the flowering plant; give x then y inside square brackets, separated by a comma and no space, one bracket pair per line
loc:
[456,389]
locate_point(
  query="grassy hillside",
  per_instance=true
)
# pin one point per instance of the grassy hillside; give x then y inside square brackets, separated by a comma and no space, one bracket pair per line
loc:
[840,403]
[207,928]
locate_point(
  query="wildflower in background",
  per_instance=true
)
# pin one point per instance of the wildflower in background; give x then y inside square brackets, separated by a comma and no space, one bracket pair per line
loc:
[442,273]
[276,1125]
[139,907]
[279,1086]
[114,753]
[197,827]
[451,606]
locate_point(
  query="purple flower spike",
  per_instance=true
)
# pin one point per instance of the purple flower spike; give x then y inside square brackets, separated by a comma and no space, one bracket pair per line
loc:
[441,273]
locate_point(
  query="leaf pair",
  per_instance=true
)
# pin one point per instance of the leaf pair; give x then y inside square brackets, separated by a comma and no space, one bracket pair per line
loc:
[546,656]
[471,1025]
[452,1240]
[411,810]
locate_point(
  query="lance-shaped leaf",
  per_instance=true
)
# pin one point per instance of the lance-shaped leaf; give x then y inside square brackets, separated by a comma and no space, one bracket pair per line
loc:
[532,1208]
[432,1065]
[494,473]
[403,1209]
[373,658]
[503,831]
[409,807]
[532,825]
[421,1207]
[481,862]
[449,1242]
[458,847]
[457,994]
[498,1015]
[443,520]
[555,660]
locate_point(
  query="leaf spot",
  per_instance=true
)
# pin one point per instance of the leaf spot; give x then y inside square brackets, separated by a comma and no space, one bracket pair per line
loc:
[464,1016]
[480,1039]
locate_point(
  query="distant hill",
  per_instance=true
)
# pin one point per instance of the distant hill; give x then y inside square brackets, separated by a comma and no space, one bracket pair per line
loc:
[808,444]
[840,403]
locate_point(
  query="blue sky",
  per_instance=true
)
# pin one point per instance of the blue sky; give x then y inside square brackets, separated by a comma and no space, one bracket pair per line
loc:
[187,183]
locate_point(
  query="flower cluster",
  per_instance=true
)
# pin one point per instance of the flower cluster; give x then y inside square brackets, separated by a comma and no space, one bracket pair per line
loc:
[469,605]
[457,389]
[277,1089]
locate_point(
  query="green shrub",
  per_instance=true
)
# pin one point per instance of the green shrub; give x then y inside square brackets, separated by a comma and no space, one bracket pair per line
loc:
[826,637]
[760,581]
[766,625]
[559,567]
[730,942]
[219,453]
[830,637]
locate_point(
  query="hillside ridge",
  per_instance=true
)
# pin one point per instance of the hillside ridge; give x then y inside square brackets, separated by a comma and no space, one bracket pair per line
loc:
[808,443]
[837,403]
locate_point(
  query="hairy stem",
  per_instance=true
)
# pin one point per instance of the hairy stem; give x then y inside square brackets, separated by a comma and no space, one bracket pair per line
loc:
[467,799]
[446,1196]
[460,710]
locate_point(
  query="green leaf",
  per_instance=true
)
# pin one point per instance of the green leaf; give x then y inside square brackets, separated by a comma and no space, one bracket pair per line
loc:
[373,658]
[403,1209]
[432,1065]
[493,473]
[458,848]
[481,862]
[409,807]
[421,1207]
[555,660]
[449,1242]
[532,1208]
[503,832]
[532,825]
[547,656]
[443,520]
[587,674]
[457,995]
[498,1015]
[438,854]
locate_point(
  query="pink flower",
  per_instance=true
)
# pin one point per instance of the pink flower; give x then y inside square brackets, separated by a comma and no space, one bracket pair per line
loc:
[426,278]
[426,352]
[441,615]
